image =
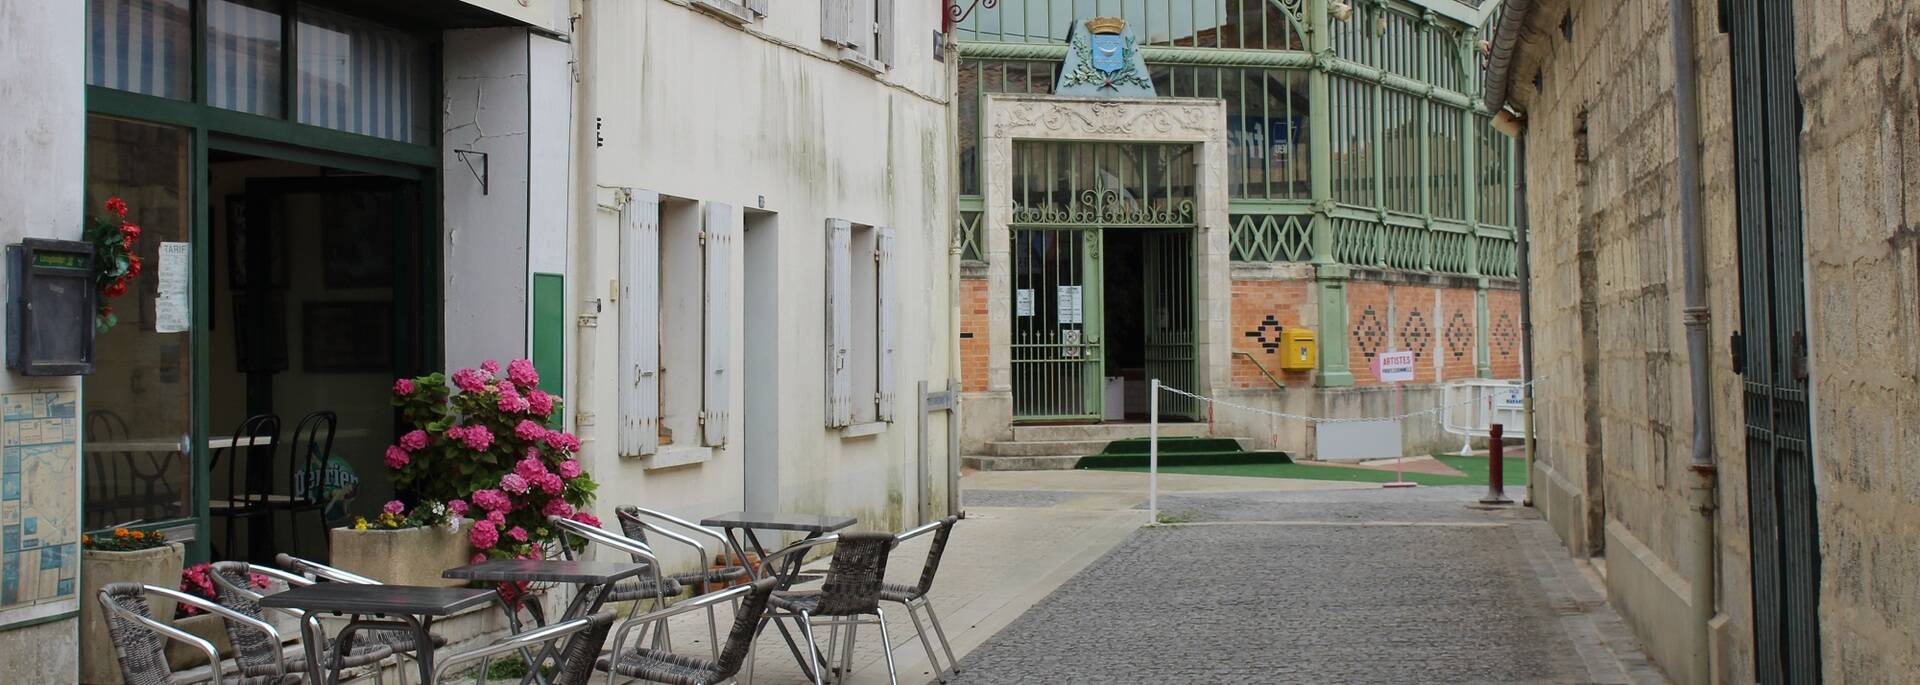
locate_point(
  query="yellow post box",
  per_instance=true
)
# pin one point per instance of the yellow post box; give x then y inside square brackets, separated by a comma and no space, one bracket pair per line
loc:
[1299,350]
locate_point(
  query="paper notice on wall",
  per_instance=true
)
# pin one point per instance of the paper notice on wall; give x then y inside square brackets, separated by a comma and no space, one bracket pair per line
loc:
[1023,302]
[1069,304]
[172,312]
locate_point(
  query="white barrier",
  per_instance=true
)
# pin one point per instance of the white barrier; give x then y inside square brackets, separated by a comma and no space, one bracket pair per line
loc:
[1474,405]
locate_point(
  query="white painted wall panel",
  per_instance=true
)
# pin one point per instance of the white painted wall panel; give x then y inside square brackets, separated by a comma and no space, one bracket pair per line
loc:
[485,229]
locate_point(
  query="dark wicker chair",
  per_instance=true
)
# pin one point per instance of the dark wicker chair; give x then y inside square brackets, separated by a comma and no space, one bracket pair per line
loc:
[583,636]
[255,654]
[661,666]
[139,641]
[914,597]
[850,595]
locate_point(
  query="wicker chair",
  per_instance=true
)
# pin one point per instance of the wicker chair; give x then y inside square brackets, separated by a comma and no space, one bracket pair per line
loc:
[583,636]
[914,597]
[652,587]
[139,641]
[849,596]
[662,666]
[252,651]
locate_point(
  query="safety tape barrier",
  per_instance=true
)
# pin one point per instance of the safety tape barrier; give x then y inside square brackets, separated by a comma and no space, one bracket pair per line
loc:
[1334,419]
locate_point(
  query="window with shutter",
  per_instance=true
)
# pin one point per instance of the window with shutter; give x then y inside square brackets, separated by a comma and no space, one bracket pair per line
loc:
[863,29]
[833,21]
[839,323]
[639,357]
[718,244]
[759,7]
[886,299]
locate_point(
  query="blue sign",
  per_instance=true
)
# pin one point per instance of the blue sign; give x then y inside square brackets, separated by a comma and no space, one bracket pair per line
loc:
[1109,51]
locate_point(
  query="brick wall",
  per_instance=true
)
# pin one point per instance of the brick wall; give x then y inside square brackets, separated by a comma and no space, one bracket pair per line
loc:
[975,334]
[1503,333]
[1261,309]
[1436,323]
[1459,335]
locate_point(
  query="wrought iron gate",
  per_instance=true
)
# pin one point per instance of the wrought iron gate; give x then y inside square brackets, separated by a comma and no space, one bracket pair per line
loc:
[1773,343]
[1065,195]
[1168,263]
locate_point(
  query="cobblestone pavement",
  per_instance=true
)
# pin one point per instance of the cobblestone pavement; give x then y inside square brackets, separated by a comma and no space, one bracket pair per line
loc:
[1351,586]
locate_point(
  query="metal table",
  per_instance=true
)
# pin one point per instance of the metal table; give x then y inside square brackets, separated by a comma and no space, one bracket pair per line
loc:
[814,526]
[595,578]
[405,607]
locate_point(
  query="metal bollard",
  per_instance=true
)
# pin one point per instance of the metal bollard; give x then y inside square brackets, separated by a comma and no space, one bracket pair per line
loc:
[1496,467]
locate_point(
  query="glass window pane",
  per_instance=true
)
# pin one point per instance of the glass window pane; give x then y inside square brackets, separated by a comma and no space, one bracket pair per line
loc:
[244,45]
[138,399]
[361,77]
[141,46]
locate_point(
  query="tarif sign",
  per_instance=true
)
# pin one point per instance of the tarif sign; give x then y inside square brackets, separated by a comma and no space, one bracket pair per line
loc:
[1393,367]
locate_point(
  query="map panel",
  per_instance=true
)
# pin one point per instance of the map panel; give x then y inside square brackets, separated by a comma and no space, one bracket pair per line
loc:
[39,505]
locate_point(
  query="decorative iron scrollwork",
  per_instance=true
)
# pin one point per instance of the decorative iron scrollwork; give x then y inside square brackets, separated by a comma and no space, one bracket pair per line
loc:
[957,14]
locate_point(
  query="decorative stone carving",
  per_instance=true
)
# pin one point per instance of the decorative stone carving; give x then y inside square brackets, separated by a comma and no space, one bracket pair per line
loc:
[1195,122]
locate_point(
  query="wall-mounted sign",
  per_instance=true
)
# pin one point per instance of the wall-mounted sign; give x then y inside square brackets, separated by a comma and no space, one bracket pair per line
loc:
[39,514]
[1023,302]
[1068,307]
[171,312]
[1394,367]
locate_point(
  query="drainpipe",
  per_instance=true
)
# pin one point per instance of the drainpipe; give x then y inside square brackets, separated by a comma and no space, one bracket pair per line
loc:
[1520,225]
[953,262]
[586,256]
[1696,317]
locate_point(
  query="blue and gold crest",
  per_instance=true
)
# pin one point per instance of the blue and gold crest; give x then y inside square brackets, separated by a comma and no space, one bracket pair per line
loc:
[1103,60]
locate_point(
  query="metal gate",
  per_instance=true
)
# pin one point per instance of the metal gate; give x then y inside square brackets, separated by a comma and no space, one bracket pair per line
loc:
[1773,343]
[1064,196]
[1168,263]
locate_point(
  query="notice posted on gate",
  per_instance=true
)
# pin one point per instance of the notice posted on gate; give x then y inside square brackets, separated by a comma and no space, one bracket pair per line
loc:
[39,505]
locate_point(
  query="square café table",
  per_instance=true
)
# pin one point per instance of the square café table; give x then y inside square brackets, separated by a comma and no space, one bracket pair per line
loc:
[595,579]
[411,607]
[814,526]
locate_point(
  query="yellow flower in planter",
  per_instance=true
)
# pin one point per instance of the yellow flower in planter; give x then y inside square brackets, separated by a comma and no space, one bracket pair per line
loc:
[359,523]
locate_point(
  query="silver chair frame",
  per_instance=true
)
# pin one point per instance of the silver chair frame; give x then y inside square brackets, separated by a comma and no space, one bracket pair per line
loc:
[918,603]
[726,543]
[807,622]
[520,642]
[178,635]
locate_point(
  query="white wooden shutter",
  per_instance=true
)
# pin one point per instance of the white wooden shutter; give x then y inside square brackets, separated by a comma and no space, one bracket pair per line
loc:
[719,316]
[839,322]
[883,43]
[860,26]
[758,6]
[886,329]
[833,21]
[639,374]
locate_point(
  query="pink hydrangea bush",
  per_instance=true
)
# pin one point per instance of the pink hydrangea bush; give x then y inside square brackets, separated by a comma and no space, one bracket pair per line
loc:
[486,442]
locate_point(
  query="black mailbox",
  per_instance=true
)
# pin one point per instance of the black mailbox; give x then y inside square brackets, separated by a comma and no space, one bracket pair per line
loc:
[50,308]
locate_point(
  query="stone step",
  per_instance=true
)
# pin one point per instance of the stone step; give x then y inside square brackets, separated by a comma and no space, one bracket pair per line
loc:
[1042,448]
[1104,431]
[1035,463]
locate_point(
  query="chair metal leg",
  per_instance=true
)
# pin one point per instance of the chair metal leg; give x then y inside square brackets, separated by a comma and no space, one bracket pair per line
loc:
[713,633]
[925,642]
[941,632]
[813,653]
[846,657]
[886,646]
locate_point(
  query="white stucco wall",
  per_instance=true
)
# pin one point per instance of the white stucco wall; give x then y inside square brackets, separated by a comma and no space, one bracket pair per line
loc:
[486,135]
[764,116]
[42,138]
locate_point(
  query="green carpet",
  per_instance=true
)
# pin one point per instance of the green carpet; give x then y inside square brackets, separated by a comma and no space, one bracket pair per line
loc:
[1475,469]
[1183,452]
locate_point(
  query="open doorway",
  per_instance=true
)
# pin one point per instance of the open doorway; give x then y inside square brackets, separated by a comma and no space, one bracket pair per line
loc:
[314,313]
[1148,287]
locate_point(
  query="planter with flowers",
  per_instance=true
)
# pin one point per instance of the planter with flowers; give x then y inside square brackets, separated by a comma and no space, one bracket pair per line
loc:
[125,556]
[115,263]
[402,547]
[482,452]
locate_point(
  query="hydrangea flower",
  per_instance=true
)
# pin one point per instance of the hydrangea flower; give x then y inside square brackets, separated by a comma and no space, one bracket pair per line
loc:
[484,535]
[491,367]
[517,533]
[557,507]
[394,506]
[587,518]
[403,387]
[492,500]
[470,380]
[570,469]
[414,440]
[513,483]
[396,457]
[458,507]
[540,402]
[563,441]
[528,430]
[520,372]
[511,402]
[497,517]
[476,438]
[550,483]
[530,468]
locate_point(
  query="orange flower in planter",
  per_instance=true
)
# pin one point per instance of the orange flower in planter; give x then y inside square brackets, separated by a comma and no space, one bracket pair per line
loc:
[120,532]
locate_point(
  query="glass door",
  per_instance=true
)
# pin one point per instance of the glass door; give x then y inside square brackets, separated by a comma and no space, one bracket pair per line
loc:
[138,403]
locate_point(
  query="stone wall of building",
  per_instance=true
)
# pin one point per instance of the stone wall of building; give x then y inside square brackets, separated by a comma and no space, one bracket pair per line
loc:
[1859,78]
[1614,412]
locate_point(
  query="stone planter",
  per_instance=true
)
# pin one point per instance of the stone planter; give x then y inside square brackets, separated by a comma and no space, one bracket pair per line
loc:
[157,566]
[408,556]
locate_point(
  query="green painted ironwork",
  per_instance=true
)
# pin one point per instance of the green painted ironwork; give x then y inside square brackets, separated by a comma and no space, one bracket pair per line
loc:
[971,249]
[1265,237]
[1221,24]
